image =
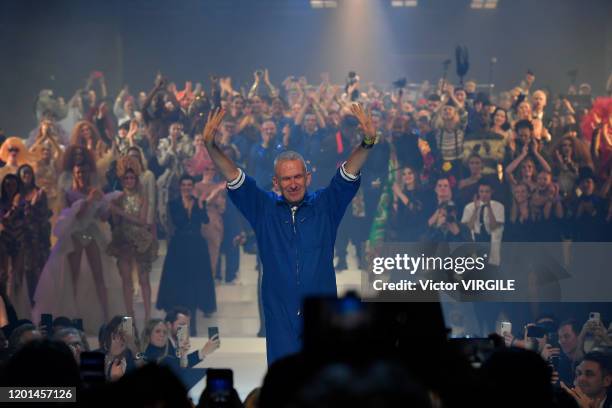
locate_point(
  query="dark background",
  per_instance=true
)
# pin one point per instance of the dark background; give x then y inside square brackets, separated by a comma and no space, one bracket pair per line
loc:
[56,43]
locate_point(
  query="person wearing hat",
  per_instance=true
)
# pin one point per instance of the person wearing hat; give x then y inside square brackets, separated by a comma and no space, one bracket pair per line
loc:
[14,153]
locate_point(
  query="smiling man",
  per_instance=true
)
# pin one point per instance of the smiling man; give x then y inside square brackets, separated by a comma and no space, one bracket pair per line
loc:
[295,230]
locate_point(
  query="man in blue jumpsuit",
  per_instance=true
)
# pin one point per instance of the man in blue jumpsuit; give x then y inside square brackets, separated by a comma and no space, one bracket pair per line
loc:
[295,231]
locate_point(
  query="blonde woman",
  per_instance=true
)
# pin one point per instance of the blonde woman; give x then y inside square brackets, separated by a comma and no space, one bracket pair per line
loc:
[14,153]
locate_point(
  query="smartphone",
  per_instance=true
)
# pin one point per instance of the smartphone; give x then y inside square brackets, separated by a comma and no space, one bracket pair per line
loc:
[595,316]
[213,331]
[127,326]
[92,367]
[78,324]
[476,350]
[536,332]
[506,327]
[182,335]
[46,319]
[219,383]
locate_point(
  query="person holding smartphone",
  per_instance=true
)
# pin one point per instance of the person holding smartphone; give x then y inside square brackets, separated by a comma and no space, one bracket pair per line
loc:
[295,230]
[177,342]
[119,346]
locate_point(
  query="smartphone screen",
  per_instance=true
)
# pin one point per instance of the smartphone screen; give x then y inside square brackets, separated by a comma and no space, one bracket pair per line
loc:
[219,379]
[212,331]
[127,326]
[92,366]
[46,320]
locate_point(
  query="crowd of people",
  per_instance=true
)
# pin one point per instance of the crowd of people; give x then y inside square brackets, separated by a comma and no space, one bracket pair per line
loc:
[89,194]
[362,356]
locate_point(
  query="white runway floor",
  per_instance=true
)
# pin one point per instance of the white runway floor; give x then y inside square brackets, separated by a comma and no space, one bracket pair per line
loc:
[238,321]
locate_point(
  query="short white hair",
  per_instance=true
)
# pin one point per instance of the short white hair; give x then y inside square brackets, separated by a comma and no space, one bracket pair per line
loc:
[287,156]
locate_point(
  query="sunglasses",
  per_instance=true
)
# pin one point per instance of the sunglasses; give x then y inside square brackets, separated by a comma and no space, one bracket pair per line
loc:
[13,150]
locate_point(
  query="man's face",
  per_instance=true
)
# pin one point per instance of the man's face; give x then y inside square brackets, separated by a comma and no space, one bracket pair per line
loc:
[460,95]
[186,187]
[587,186]
[524,134]
[256,104]
[484,194]
[475,165]
[76,345]
[433,105]
[277,107]
[376,121]
[310,122]
[539,100]
[590,379]
[443,190]
[238,105]
[448,113]
[230,128]
[544,180]
[268,131]
[181,320]
[470,86]
[568,340]
[291,179]
[175,130]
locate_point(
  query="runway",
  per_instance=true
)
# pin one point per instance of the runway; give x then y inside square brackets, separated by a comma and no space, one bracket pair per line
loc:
[238,320]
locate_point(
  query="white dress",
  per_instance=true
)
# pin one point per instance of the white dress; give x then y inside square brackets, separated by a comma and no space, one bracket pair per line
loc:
[55,293]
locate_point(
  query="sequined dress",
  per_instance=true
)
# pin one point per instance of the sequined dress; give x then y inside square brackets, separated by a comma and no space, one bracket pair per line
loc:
[131,239]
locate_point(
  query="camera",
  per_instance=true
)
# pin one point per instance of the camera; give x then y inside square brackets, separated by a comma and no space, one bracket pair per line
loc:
[352,78]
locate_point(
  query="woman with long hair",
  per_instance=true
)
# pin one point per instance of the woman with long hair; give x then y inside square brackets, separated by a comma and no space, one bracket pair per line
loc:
[76,155]
[86,135]
[36,242]
[132,242]
[520,223]
[155,344]
[409,203]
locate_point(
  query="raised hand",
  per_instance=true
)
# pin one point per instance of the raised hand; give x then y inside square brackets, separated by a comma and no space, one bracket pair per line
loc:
[365,122]
[212,126]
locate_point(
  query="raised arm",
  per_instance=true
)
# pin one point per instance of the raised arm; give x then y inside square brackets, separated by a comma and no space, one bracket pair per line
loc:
[224,164]
[360,154]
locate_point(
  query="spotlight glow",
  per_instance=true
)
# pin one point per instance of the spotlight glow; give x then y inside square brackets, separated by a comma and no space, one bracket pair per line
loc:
[404,3]
[323,3]
[484,4]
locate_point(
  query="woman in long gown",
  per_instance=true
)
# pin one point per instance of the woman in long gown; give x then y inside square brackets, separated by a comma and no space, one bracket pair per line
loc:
[186,277]
[11,234]
[36,241]
[79,279]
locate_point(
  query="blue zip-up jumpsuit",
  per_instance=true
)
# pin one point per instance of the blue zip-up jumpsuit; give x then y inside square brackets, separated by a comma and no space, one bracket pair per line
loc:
[296,246]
